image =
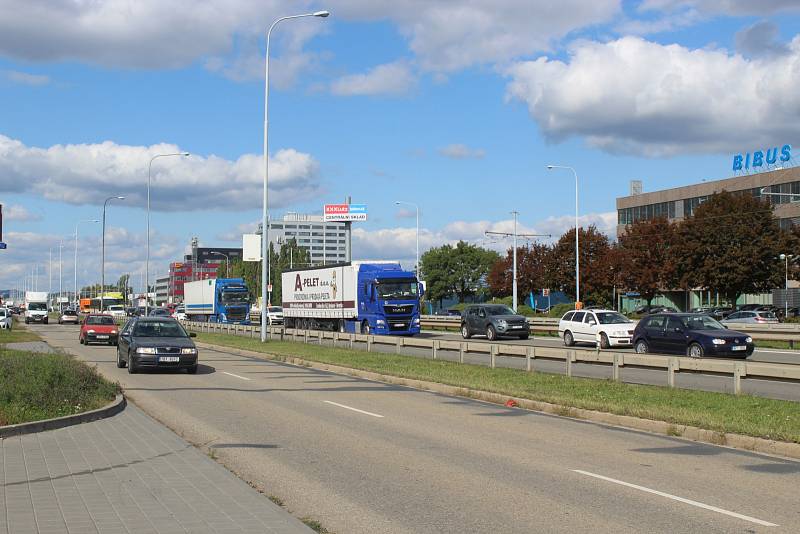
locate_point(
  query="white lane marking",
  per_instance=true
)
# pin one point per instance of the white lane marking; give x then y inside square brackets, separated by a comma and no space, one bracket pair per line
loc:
[679,499]
[237,376]
[351,408]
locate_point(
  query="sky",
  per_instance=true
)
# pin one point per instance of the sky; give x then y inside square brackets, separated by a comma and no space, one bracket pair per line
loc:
[456,106]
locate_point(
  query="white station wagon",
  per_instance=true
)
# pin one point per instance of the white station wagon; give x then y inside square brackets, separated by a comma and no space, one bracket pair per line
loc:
[603,328]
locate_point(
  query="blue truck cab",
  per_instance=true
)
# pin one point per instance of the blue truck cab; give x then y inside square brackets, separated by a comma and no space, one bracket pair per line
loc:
[221,300]
[388,300]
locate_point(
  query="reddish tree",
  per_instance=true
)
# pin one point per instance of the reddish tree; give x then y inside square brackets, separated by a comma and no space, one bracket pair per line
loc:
[595,265]
[647,262]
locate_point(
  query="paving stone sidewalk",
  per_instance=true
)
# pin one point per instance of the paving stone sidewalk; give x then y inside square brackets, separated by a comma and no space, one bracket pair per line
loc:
[127,474]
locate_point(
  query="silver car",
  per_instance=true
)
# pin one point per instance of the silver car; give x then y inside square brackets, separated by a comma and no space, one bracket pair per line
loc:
[6,319]
[750,317]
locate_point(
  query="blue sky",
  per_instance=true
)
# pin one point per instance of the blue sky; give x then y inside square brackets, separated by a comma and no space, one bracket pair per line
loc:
[456,105]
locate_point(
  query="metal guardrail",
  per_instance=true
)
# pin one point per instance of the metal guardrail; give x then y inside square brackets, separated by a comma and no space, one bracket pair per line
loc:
[614,360]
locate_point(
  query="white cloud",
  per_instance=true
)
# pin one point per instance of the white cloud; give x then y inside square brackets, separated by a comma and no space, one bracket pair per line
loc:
[88,173]
[459,151]
[388,79]
[26,78]
[640,97]
[723,7]
[15,212]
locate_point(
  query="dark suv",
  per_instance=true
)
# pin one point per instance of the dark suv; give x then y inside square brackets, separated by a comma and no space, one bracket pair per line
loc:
[493,321]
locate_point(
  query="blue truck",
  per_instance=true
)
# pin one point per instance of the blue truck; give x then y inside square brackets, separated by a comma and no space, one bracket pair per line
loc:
[221,300]
[369,297]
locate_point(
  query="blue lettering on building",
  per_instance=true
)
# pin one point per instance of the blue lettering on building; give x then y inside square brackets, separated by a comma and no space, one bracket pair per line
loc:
[759,158]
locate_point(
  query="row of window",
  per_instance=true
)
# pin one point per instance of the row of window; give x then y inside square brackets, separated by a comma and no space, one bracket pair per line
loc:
[304,227]
[645,213]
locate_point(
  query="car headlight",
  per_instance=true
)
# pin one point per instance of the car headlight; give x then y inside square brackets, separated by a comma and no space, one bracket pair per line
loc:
[188,351]
[146,350]
[718,341]
[748,340]
[416,320]
[113,331]
[90,331]
[380,322]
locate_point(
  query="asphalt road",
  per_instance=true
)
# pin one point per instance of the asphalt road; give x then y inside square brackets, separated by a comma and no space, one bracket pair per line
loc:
[361,456]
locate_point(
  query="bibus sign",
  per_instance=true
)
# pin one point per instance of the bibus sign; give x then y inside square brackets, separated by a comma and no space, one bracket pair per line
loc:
[761,158]
[345,212]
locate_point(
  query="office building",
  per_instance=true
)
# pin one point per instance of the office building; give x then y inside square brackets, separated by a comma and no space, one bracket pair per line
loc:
[326,242]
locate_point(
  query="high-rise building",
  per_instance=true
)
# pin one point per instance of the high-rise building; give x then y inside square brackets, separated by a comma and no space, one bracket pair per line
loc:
[326,242]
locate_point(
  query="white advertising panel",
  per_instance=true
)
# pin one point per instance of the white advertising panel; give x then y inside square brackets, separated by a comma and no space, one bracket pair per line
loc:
[251,247]
[345,212]
[327,292]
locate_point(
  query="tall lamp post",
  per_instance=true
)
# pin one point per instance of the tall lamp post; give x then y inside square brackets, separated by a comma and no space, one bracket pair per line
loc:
[77,298]
[103,254]
[227,263]
[416,207]
[147,239]
[264,222]
[577,251]
[785,258]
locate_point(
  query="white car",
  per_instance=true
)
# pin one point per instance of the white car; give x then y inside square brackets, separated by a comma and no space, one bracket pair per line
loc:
[180,313]
[275,315]
[602,328]
[116,310]
[6,319]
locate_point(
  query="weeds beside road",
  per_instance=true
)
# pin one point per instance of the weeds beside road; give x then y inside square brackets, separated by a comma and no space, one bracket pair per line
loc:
[720,412]
[18,334]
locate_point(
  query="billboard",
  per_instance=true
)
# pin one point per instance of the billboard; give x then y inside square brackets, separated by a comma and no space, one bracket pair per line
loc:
[251,247]
[345,212]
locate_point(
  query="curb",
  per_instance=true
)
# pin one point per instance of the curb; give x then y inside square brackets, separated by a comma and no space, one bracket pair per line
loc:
[734,441]
[68,420]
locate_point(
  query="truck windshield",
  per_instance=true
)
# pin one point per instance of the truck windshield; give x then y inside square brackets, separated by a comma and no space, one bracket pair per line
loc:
[231,298]
[397,289]
[37,306]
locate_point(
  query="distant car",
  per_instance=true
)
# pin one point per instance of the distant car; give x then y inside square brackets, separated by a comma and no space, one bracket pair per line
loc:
[274,315]
[98,328]
[156,343]
[750,317]
[647,310]
[493,321]
[694,335]
[749,307]
[69,316]
[179,313]
[705,310]
[131,311]
[607,328]
[159,312]
[116,310]
[721,312]
[6,320]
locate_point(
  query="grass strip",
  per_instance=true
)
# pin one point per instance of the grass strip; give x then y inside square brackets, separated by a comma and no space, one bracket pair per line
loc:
[720,412]
[17,335]
[42,386]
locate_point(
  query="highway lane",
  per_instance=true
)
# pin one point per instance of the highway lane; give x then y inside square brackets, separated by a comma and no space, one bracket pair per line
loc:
[361,456]
[759,355]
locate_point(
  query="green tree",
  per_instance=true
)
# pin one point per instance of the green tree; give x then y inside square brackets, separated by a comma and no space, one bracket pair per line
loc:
[459,270]
[730,244]
[647,260]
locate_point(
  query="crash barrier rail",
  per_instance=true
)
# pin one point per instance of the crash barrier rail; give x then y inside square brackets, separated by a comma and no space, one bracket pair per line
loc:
[771,331]
[736,369]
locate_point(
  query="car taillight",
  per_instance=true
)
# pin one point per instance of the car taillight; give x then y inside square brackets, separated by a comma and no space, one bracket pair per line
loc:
[760,320]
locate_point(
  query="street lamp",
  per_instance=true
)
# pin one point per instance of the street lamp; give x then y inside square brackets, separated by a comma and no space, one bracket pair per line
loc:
[103,253]
[147,258]
[577,252]
[416,207]
[77,298]
[227,263]
[264,221]
[785,258]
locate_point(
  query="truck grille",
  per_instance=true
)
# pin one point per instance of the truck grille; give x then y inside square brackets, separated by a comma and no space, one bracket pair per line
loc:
[236,314]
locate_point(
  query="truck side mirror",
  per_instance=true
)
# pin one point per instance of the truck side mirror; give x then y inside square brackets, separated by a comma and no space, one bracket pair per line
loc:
[421,289]
[372,293]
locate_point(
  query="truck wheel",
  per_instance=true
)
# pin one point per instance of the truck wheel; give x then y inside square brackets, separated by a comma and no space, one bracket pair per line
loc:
[365,327]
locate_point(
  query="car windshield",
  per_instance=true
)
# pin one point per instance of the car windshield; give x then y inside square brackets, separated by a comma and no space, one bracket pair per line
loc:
[702,322]
[70,312]
[275,309]
[37,306]
[499,310]
[397,289]
[235,297]
[159,329]
[611,318]
[99,319]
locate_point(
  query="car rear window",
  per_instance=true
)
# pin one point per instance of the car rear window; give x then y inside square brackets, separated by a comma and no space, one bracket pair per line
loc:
[766,315]
[568,316]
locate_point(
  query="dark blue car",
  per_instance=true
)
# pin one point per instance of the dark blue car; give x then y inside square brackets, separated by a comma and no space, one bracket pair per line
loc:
[692,334]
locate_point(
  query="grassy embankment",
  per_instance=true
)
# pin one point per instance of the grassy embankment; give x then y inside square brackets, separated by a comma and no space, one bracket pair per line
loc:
[753,416]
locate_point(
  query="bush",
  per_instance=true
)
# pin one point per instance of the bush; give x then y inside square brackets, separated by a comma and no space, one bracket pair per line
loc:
[560,309]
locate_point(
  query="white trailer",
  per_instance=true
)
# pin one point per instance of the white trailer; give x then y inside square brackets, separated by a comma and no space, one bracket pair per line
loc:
[323,293]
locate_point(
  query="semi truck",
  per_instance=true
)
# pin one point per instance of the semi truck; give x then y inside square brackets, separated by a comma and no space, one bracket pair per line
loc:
[367,297]
[221,300]
[35,307]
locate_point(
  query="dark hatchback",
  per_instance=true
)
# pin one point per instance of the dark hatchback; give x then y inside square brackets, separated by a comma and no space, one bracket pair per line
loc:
[694,335]
[156,343]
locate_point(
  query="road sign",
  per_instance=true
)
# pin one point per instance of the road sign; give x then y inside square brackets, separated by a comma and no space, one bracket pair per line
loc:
[251,247]
[2,246]
[269,288]
[545,292]
[345,212]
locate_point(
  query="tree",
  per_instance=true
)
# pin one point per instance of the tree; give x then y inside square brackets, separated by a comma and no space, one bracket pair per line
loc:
[595,265]
[730,245]
[532,264]
[459,270]
[646,260]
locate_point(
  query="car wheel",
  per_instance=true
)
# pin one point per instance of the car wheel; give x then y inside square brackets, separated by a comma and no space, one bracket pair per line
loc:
[80,340]
[120,362]
[465,332]
[604,343]
[192,370]
[695,350]
[365,327]
[491,333]
[568,339]
[131,365]
[641,347]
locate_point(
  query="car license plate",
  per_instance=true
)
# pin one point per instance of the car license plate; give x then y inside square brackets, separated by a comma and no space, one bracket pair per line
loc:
[516,326]
[739,347]
[168,359]
[101,336]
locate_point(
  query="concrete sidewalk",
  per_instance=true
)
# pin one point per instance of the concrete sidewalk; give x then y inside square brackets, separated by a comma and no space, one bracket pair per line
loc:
[127,474]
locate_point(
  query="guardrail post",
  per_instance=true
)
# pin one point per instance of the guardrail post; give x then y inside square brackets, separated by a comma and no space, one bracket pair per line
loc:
[305,336]
[319,338]
[461,349]
[399,345]
[672,365]
[739,370]
[493,355]
[351,339]
[530,353]
[435,348]
[615,371]
[369,343]
[570,356]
